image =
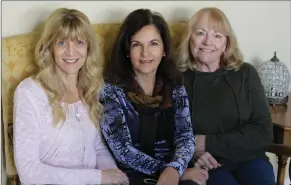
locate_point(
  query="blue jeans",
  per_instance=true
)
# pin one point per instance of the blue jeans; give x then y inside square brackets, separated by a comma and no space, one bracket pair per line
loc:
[254,172]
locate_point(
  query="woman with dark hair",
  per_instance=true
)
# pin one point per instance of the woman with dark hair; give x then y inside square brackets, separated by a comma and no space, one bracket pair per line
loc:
[146,120]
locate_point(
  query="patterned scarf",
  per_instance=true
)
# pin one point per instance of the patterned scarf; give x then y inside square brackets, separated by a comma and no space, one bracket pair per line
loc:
[162,95]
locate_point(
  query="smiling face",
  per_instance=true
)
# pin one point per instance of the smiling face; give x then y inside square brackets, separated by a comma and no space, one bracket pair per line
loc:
[70,56]
[146,50]
[207,44]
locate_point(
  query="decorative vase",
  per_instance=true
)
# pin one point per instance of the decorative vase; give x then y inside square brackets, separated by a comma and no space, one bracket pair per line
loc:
[275,77]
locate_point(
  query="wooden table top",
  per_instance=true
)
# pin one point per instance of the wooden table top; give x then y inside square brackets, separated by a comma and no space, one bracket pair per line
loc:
[281,115]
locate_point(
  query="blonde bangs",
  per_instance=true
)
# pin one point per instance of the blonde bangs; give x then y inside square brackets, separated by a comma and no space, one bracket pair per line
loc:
[217,23]
[71,29]
[216,20]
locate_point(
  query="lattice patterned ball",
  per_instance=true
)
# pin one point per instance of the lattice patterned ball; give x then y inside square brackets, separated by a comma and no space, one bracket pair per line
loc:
[275,77]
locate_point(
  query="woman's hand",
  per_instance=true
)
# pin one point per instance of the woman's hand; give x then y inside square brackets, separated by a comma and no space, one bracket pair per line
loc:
[195,174]
[206,160]
[114,177]
[170,176]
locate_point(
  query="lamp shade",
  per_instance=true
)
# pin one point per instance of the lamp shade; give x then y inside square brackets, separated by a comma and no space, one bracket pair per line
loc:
[275,77]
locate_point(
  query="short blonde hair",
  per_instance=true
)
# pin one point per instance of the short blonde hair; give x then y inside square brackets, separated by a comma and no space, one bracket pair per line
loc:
[69,24]
[232,58]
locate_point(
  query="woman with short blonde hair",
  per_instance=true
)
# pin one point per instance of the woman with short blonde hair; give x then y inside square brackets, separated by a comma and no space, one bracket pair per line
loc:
[229,111]
[231,58]
[56,110]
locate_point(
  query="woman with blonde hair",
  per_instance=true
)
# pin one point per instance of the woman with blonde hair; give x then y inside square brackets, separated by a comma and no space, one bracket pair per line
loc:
[229,111]
[56,112]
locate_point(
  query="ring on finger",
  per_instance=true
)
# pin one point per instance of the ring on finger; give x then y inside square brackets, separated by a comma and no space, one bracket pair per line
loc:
[203,167]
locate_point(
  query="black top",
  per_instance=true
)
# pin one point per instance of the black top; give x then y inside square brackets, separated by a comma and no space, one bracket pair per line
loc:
[231,109]
[156,125]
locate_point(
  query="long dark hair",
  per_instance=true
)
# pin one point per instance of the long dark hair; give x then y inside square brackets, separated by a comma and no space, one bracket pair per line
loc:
[119,70]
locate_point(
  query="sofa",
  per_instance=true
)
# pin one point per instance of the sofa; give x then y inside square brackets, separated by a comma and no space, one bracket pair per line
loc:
[18,63]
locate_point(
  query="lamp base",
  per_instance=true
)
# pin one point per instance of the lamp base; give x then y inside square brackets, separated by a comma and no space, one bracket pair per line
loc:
[282,101]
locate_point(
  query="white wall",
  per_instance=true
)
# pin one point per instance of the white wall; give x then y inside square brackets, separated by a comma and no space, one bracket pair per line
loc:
[261,27]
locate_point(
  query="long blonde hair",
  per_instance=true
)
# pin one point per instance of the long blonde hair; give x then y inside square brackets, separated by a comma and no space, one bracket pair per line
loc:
[232,58]
[69,24]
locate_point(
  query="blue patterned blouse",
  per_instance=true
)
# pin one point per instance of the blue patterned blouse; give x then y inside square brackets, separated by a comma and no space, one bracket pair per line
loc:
[119,127]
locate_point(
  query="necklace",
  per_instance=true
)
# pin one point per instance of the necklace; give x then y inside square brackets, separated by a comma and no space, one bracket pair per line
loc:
[78,114]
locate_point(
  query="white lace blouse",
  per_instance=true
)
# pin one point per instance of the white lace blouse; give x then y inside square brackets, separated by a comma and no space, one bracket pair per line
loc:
[69,153]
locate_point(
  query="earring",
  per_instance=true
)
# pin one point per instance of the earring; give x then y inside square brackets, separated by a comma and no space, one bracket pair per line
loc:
[164,55]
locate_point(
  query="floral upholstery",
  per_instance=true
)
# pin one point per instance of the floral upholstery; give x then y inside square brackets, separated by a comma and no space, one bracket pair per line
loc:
[17,64]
